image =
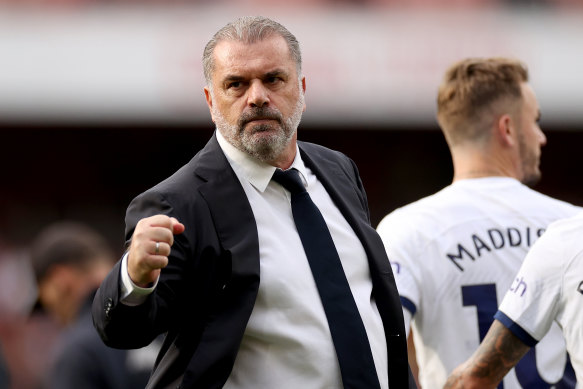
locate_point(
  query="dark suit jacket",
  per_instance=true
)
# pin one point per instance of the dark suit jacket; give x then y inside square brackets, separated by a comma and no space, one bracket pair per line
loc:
[206,293]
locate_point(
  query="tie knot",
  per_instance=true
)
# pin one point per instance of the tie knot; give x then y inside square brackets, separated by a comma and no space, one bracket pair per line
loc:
[290,180]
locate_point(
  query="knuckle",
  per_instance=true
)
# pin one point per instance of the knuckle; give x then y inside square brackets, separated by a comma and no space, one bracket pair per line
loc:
[139,235]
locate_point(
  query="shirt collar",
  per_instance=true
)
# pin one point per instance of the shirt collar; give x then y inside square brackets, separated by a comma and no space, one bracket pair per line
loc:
[258,173]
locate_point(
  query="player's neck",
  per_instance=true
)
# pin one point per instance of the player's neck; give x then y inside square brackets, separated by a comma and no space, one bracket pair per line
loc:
[474,162]
[478,173]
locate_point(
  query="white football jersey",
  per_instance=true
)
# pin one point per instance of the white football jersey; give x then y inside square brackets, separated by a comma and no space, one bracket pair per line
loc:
[454,254]
[548,289]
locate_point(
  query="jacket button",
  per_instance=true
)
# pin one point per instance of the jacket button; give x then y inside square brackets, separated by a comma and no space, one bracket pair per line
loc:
[107,308]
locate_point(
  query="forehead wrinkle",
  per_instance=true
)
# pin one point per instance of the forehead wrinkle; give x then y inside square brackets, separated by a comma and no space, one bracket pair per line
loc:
[234,76]
[230,53]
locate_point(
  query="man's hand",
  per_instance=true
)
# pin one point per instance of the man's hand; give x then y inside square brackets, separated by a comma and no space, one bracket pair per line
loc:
[150,247]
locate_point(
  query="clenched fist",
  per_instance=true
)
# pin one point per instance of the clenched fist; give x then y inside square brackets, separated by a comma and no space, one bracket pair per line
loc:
[150,247]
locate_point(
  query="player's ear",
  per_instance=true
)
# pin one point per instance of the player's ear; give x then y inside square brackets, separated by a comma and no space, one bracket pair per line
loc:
[506,130]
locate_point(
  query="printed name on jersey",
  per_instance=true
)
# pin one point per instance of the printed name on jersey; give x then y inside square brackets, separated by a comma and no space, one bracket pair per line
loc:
[492,239]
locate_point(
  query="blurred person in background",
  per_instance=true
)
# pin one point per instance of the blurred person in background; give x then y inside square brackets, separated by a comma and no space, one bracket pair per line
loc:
[4,373]
[70,260]
[548,289]
[220,256]
[456,252]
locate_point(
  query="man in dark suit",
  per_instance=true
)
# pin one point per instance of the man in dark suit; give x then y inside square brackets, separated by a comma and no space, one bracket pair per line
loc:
[215,260]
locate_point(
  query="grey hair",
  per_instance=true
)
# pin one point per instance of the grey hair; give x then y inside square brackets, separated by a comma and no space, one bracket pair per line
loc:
[250,29]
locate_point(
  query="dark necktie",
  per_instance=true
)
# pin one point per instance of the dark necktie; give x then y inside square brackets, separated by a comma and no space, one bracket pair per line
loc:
[348,333]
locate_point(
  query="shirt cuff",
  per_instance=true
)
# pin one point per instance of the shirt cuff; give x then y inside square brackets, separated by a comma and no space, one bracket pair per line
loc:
[132,294]
[516,329]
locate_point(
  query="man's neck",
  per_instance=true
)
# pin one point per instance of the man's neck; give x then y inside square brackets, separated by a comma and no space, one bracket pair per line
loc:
[478,173]
[474,162]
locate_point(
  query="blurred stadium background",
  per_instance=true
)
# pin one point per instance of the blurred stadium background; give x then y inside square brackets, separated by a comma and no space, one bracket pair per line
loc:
[100,100]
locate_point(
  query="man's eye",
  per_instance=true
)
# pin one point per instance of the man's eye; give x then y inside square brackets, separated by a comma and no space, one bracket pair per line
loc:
[234,84]
[273,80]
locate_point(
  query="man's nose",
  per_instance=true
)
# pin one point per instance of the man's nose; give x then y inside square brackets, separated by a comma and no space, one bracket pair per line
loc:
[258,95]
[542,137]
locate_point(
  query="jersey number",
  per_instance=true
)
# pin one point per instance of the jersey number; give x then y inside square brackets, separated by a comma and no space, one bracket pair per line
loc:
[484,298]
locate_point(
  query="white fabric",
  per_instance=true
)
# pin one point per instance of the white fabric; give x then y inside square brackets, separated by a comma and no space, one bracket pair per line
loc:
[287,342]
[472,233]
[132,294]
[549,288]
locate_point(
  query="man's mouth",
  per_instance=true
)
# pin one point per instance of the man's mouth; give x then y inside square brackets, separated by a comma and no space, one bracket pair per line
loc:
[259,116]
[260,119]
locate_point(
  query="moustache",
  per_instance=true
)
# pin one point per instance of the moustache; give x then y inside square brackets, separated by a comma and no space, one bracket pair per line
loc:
[260,113]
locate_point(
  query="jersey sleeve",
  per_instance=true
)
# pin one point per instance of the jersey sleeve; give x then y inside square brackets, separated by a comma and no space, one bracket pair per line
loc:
[531,303]
[401,250]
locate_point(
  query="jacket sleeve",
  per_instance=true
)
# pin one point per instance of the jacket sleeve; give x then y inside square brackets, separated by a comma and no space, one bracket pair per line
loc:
[123,326]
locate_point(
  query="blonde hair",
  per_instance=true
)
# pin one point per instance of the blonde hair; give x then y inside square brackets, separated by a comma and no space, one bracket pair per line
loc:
[473,92]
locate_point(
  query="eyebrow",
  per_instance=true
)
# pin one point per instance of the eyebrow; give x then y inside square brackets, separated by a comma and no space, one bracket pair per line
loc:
[274,73]
[232,78]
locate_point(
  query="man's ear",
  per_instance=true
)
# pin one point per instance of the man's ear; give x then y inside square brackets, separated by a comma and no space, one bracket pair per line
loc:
[303,83]
[209,100]
[506,130]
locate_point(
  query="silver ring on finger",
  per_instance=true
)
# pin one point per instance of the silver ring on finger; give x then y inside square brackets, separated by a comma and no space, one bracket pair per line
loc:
[157,248]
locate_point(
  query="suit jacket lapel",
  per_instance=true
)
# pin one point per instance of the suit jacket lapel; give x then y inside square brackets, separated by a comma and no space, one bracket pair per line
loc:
[230,209]
[237,231]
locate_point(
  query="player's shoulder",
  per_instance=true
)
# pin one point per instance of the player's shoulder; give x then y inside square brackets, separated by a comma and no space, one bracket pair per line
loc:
[569,225]
[421,217]
[529,197]
[554,251]
[427,207]
[564,234]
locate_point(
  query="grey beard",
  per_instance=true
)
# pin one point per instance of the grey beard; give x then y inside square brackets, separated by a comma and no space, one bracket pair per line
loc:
[264,148]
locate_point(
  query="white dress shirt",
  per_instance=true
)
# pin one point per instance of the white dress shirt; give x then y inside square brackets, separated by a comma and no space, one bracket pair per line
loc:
[287,342]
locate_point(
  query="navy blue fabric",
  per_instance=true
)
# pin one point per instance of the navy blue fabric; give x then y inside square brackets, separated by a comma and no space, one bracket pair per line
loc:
[408,305]
[348,333]
[515,329]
